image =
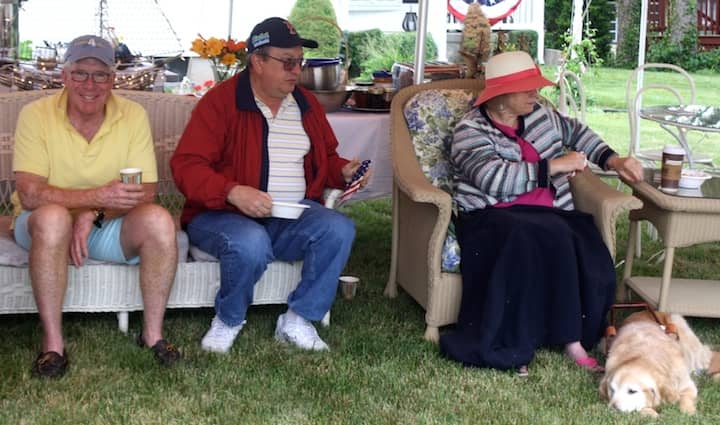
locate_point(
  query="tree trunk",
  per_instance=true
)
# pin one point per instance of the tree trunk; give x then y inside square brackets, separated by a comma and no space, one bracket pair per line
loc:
[681,19]
[626,33]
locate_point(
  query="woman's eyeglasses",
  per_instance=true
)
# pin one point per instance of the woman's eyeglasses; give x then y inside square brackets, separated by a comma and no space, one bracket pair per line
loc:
[289,64]
[97,77]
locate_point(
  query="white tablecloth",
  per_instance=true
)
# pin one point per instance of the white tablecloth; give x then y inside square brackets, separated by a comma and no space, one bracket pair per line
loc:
[366,135]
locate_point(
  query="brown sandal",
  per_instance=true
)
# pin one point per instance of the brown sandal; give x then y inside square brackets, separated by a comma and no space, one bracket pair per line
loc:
[165,353]
[50,365]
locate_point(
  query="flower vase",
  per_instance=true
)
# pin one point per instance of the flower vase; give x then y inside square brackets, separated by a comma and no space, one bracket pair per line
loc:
[222,72]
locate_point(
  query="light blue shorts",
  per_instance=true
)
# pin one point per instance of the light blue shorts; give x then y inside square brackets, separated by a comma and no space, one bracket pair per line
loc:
[103,243]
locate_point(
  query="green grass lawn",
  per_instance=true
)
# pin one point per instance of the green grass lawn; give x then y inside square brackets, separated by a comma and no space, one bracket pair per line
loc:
[605,89]
[380,371]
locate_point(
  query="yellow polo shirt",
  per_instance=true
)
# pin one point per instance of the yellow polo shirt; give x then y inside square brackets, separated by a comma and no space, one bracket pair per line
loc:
[47,144]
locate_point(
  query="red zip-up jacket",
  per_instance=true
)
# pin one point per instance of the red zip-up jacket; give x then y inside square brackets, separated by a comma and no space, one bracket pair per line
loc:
[225,144]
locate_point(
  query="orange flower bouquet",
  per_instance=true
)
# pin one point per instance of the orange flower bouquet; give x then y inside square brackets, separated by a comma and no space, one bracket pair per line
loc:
[227,56]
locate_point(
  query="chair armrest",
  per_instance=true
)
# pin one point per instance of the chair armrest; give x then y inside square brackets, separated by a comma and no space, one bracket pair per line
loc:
[407,172]
[410,180]
[591,195]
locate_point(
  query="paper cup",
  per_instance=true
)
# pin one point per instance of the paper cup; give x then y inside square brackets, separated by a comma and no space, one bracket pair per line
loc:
[672,161]
[131,175]
[348,286]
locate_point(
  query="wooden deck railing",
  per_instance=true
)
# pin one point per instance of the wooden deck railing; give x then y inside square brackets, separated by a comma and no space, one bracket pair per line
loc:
[708,21]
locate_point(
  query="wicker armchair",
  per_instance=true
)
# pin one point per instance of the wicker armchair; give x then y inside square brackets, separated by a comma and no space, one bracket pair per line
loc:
[422,209]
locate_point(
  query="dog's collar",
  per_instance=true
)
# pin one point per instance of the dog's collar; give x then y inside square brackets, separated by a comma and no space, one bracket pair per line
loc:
[669,328]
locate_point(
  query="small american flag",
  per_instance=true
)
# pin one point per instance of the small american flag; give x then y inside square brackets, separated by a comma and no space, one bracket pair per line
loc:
[354,184]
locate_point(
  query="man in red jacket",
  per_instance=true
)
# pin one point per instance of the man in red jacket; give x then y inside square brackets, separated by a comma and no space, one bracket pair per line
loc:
[256,139]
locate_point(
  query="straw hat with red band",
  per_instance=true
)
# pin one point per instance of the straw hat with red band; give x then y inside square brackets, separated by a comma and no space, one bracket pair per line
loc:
[511,72]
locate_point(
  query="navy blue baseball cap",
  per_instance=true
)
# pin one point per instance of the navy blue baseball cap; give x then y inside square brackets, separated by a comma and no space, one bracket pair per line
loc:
[276,32]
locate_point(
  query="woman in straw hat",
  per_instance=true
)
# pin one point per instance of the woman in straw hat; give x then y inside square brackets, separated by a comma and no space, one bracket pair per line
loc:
[535,272]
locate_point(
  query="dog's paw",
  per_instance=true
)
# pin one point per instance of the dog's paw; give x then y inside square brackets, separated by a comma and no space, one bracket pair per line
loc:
[649,411]
[687,406]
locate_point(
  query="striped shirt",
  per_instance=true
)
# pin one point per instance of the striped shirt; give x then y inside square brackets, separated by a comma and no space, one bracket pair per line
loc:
[488,166]
[287,146]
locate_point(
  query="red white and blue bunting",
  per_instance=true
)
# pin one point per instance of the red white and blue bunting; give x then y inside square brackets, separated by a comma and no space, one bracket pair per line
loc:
[494,10]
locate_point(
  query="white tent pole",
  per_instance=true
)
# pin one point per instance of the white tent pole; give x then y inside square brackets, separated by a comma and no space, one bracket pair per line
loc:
[419,75]
[577,24]
[643,32]
[230,19]
[641,58]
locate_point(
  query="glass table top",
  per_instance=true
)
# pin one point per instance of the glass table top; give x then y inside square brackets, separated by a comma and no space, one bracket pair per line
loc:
[699,117]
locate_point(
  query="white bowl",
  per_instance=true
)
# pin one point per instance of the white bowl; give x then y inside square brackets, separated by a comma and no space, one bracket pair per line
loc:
[690,193]
[693,179]
[287,209]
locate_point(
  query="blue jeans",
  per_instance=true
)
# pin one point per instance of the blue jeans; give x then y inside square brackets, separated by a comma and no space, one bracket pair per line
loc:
[321,237]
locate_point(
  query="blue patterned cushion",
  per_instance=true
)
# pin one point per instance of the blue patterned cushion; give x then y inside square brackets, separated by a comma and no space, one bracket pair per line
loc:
[431,116]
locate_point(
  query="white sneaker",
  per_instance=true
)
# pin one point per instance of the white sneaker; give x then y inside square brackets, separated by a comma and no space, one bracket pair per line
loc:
[295,330]
[220,337]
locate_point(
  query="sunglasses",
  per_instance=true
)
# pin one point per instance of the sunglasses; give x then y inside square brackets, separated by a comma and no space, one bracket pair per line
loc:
[290,63]
[97,77]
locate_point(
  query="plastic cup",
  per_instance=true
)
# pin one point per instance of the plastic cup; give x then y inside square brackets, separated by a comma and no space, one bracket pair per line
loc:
[131,175]
[671,170]
[348,286]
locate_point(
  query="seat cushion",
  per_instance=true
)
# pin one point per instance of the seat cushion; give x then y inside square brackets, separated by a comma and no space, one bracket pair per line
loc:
[197,254]
[432,116]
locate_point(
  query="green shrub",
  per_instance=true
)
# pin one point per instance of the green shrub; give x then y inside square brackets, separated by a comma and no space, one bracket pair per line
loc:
[515,41]
[390,48]
[306,16]
[684,54]
[358,41]
[557,21]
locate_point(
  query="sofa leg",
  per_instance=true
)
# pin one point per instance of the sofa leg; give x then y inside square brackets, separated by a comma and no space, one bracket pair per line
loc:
[326,320]
[432,334]
[123,319]
[391,289]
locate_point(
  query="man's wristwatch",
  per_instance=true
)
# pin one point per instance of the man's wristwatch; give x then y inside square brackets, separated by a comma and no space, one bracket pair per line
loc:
[99,217]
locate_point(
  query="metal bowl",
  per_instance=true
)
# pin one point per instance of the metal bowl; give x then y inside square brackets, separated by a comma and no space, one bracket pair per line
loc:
[332,100]
[322,74]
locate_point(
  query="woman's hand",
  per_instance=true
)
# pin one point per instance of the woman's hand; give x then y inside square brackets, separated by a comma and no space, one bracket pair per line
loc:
[571,163]
[628,168]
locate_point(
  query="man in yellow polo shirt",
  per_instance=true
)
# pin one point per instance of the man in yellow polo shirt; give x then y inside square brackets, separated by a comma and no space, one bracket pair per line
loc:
[70,202]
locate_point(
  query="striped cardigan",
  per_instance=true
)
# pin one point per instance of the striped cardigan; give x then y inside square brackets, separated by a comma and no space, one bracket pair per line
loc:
[487,165]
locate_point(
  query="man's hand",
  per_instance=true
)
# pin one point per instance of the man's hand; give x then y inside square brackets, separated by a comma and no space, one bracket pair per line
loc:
[628,168]
[250,201]
[349,169]
[119,195]
[81,231]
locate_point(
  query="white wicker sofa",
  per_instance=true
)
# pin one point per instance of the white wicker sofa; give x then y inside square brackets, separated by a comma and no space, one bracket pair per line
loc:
[106,287]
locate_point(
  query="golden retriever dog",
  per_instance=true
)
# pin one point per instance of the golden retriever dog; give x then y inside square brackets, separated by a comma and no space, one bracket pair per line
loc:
[649,364]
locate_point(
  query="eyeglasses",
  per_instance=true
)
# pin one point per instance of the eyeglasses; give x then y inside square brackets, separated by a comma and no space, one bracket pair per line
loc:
[289,64]
[97,77]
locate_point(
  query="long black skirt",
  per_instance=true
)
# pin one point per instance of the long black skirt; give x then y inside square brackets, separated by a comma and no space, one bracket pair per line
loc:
[532,276]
